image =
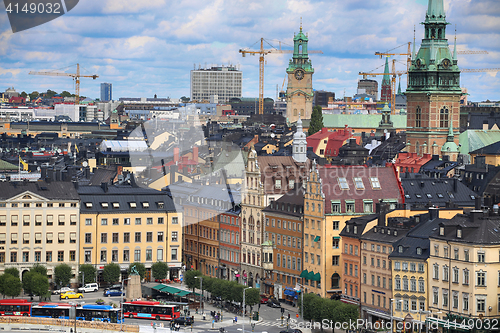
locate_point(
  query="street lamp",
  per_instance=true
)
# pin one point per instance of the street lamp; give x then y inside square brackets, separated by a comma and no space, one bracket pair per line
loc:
[243,320]
[420,311]
[201,296]
[121,305]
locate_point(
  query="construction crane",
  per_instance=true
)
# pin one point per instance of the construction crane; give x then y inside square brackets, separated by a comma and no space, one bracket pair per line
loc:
[262,53]
[76,76]
[477,70]
[393,82]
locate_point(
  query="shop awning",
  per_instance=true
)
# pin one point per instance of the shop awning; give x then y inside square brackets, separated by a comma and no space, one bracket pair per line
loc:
[304,274]
[183,293]
[316,277]
[336,237]
[289,291]
[310,275]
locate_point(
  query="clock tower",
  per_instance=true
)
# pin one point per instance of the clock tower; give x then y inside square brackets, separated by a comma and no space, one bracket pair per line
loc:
[433,94]
[299,93]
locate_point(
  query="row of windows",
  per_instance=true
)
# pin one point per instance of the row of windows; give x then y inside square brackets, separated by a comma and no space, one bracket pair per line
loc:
[126,237]
[480,302]
[228,255]
[205,232]
[480,276]
[206,250]
[314,240]
[14,220]
[350,206]
[481,257]
[413,266]
[127,221]
[318,258]
[411,286]
[313,207]
[289,262]
[378,281]
[315,224]
[381,300]
[25,256]
[405,304]
[49,238]
[285,224]
[293,242]
[377,261]
[132,204]
[229,237]
[38,204]
[251,258]
[126,255]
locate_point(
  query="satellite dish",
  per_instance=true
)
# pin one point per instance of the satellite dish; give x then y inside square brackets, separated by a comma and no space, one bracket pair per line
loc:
[85,164]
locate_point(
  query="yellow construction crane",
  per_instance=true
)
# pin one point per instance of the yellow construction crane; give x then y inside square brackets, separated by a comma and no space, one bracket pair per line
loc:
[477,70]
[76,76]
[262,53]
[393,82]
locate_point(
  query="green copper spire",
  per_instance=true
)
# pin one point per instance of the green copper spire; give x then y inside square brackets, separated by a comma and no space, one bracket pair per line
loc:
[399,87]
[455,48]
[435,12]
[450,145]
[300,58]
[387,78]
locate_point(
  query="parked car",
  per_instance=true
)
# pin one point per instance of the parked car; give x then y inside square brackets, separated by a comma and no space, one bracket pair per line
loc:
[115,286]
[89,287]
[61,291]
[70,294]
[273,303]
[264,299]
[183,320]
[113,292]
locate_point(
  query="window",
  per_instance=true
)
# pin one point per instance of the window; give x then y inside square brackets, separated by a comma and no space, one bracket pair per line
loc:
[481,279]
[420,268]
[455,274]
[277,183]
[126,237]
[481,305]
[38,256]
[358,183]
[104,221]
[405,283]
[72,220]
[375,182]
[446,273]
[87,255]
[455,299]
[103,255]
[418,117]
[173,254]
[174,236]
[160,236]
[114,255]
[368,206]
[335,210]
[335,225]
[126,221]
[397,265]
[115,237]
[159,254]
[421,285]
[335,243]
[149,254]
[412,267]
[175,220]
[350,206]
[480,257]
[26,221]
[335,260]
[104,237]
[343,183]
[149,236]
[87,221]
[14,220]
[137,254]
[466,255]
[413,284]
[88,238]
[126,255]
[26,256]
[137,237]
[466,276]
[443,117]
[435,295]
[436,272]
[138,221]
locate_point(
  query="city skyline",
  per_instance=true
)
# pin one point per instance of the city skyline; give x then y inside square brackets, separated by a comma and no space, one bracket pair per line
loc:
[150,47]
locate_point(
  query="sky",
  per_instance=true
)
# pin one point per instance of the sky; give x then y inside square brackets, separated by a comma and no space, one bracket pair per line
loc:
[148,47]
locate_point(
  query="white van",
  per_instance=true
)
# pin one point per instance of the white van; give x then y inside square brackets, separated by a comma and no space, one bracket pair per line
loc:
[89,287]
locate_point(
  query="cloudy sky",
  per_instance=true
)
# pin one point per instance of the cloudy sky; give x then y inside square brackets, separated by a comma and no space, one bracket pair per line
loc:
[148,47]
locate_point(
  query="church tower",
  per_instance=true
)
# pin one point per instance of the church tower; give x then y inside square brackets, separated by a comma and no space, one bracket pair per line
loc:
[433,94]
[299,145]
[299,92]
[385,92]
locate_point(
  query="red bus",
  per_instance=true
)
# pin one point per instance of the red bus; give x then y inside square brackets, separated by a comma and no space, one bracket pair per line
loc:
[15,307]
[150,310]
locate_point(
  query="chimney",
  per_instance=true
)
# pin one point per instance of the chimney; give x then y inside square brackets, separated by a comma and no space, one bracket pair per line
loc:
[75,184]
[173,170]
[455,185]
[43,172]
[87,172]
[195,154]
[104,187]
[132,180]
[477,203]
[475,215]
[176,155]
[381,208]
[433,213]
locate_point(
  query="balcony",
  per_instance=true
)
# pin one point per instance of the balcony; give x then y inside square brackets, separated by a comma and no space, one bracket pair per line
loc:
[267,266]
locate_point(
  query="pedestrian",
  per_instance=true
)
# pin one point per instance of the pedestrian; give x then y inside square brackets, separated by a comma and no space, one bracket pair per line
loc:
[236,319]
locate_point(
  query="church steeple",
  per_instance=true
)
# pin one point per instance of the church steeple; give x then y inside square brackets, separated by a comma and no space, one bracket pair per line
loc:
[385,91]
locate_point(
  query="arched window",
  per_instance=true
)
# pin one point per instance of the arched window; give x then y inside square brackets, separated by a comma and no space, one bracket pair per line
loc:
[300,48]
[440,33]
[443,117]
[418,117]
[335,281]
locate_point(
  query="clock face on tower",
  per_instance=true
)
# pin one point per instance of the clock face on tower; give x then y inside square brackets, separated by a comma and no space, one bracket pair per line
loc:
[299,74]
[446,63]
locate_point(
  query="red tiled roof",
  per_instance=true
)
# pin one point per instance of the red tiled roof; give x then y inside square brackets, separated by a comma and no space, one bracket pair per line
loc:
[411,161]
[390,186]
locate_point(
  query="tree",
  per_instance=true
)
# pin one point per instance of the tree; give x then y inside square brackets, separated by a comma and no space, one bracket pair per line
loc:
[39,284]
[111,273]
[37,268]
[62,274]
[189,278]
[89,271]
[11,285]
[12,271]
[24,94]
[316,123]
[184,99]
[50,93]
[160,270]
[65,94]
[139,267]
[252,297]
[33,95]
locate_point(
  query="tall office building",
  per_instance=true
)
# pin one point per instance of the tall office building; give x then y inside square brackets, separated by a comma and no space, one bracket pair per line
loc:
[106,92]
[225,82]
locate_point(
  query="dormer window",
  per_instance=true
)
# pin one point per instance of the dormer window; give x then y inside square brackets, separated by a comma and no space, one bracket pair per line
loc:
[343,183]
[132,204]
[459,233]
[116,205]
[441,231]
[419,250]
[88,204]
[382,230]
[160,204]
[400,248]
[395,232]
[347,228]
[388,231]
[104,204]
[375,229]
[145,204]
[355,229]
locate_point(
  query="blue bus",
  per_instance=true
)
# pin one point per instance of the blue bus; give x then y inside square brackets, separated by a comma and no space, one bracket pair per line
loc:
[88,312]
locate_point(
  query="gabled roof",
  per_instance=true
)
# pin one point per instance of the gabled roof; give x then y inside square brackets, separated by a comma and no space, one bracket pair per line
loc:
[281,167]
[491,149]
[292,203]
[49,190]
[360,224]
[484,230]
[472,140]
